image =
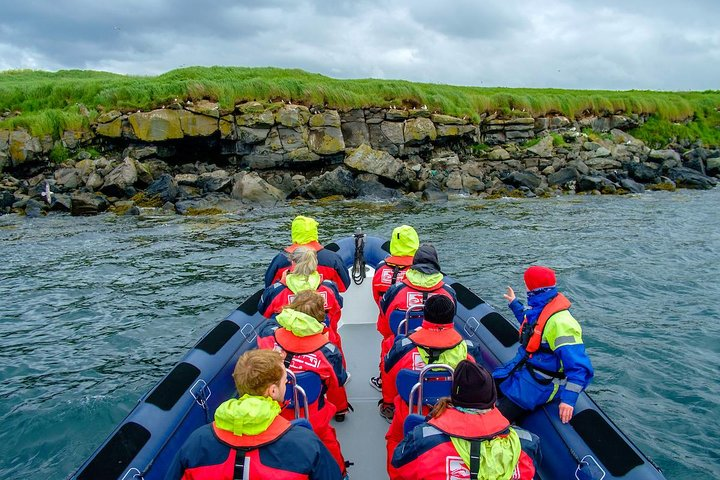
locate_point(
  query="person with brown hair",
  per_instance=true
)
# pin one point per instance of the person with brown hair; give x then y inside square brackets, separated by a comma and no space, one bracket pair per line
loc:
[249,438]
[466,436]
[299,333]
[303,275]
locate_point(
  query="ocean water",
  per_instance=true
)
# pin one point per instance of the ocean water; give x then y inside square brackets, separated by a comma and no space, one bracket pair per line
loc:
[94,311]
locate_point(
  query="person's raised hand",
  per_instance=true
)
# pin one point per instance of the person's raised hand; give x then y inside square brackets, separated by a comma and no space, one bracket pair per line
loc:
[566,412]
[510,295]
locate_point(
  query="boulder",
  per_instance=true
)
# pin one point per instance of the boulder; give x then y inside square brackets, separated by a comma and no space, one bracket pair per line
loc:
[472,184]
[661,156]
[212,204]
[335,182]
[602,163]
[588,183]
[328,118]
[261,119]
[157,125]
[326,140]
[292,115]
[252,134]
[396,115]
[631,185]
[713,165]
[303,154]
[61,203]
[94,181]
[6,199]
[544,148]
[447,119]
[498,153]
[454,181]
[289,138]
[186,179]
[642,172]
[355,133]
[454,130]
[563,176]
[393,131]
[419,130]
[366,159]
[248,187]
[87,204]
[68,178]
[369,186]
[120,178]
[164,188]
[23,147]
[215,181]
[112,128]
[34,208]
[688,178]
[434,194]
[199,124]
[523,179]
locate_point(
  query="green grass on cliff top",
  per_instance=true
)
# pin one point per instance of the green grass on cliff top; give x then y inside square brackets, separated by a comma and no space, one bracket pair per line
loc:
[48,102]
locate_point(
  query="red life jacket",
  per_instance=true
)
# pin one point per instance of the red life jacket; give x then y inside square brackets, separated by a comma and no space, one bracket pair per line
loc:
[471,427]
[531,336]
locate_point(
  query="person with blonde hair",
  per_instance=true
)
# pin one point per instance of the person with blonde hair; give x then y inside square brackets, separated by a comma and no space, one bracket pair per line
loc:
[249,438]
[301,276]
[304,233]
[299,333]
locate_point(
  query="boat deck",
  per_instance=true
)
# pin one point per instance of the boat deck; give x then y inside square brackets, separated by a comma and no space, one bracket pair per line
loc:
[362,434]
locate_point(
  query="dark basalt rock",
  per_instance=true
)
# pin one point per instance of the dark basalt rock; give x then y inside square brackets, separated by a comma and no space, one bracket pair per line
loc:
[523,179]
[563,176]
[689,178]
[87,204]
[642,173]
[164,187]
[336,182]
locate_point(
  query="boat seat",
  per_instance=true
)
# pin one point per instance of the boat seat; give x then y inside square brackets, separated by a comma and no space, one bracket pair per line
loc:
[412,421]
[401,321]
[304,389]
[424,387]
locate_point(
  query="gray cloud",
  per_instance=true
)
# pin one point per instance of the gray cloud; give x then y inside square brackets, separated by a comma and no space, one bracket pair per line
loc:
[519,43]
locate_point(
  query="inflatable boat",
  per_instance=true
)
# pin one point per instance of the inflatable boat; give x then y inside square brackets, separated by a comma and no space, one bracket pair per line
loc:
[142,446]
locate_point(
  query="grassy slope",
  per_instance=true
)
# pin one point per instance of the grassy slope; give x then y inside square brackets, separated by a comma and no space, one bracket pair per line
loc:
[48,102]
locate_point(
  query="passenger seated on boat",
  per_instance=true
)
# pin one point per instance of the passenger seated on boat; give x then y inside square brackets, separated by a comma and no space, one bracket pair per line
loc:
[298,333]
[466,436]
[422,281]
[249,438]
[551,360]
[404,242]
[436,341]
[304,233]
[303,275]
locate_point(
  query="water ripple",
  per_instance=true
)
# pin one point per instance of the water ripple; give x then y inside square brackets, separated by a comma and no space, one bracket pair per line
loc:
[96,310]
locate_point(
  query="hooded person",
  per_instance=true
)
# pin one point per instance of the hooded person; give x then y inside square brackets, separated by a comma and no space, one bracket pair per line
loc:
[422,280]
[436,341]
[404,242]
[466,436]
[551,360]
[300,334]
[304,233]
[249,438]
[303,275]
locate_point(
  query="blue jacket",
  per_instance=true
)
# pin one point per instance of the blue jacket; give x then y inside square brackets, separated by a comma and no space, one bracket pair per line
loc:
[297,452]
[561,350]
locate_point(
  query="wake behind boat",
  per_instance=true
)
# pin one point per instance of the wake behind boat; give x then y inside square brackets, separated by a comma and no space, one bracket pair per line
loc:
[145,442]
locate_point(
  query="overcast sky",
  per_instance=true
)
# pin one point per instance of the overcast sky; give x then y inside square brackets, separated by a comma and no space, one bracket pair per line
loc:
[612,44]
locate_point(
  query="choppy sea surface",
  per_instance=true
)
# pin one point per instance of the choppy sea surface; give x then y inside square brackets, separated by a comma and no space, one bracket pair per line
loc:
[94,311]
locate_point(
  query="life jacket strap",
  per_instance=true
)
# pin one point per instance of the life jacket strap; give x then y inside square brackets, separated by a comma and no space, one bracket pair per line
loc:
[396,270]
[474,459]
[239,470]
[288,359]
[548,373]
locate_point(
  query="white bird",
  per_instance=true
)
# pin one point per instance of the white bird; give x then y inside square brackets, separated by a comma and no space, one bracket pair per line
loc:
[47,193]
[424,107]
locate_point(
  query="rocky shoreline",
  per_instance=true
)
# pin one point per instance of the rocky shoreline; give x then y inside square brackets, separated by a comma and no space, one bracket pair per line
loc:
[195,158]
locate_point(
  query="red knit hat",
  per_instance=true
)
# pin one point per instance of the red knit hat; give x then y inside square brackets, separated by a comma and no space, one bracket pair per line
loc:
[539,277]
